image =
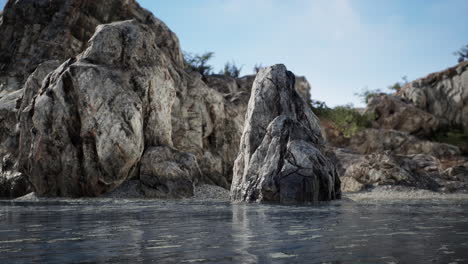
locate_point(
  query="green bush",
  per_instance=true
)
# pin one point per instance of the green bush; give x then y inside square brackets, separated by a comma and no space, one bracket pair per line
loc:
[231,70]
[453,137]
[344,118]
[398,85]
[199,63]
[367,94]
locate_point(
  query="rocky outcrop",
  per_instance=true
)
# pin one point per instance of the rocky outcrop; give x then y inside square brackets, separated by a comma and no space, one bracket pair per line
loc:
[93,115]
[282,155]
[35,31]
[418,171]
[168,173]
[371,140]
[394,113]
[443,94]
[387,169]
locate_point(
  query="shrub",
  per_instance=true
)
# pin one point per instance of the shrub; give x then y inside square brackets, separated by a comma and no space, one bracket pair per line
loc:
[456,137]
[398,85]
[257,68]
[367,94]
[199,63]
[462,54]
[231,70]
[345,119]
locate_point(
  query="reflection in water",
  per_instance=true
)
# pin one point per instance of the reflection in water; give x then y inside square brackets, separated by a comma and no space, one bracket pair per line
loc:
[124,231]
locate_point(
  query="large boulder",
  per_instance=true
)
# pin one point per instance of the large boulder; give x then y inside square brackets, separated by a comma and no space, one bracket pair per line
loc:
[372,140]
[35,31]
[282,154]
[443,94]
[419,171]
[92,117]
[392,112]
[387,169]
[168,173]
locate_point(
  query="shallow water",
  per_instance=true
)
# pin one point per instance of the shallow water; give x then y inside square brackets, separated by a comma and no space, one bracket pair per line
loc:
[146,231]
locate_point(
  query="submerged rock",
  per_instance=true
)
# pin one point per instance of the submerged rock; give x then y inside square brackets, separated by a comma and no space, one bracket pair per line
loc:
[281,156]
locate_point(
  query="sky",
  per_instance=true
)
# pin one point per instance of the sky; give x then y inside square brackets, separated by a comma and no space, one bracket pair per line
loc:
[341,46]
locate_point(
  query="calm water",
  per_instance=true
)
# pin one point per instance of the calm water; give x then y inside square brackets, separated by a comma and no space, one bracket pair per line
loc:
[123,231]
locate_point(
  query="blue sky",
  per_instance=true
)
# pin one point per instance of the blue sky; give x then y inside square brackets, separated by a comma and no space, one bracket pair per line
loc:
[341,46]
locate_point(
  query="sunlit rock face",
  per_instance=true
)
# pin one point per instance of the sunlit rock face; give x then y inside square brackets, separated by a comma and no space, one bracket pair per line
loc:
[88,123]
[443,94]
[392,112]
[281,156]
[373,140]
[99,95]
[35,31]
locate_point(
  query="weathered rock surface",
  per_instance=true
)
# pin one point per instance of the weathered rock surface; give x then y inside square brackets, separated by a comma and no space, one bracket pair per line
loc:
[281,156]
[371,140]
[443,94]
[395,113]
[386,169]
[168,173]
[419,171]
[35,31]
[92,117]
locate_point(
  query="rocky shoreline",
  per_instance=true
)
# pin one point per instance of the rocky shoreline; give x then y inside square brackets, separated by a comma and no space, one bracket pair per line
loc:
[116,113]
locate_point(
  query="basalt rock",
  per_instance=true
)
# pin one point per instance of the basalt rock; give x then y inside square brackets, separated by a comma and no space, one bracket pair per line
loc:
[282,156]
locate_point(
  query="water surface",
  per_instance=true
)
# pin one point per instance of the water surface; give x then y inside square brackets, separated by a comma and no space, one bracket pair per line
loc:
[148,231]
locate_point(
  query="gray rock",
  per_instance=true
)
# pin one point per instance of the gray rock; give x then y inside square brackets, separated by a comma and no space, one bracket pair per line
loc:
[93,115]
[168,173]
[281,153]
[443,94]
[36,31]
[395,113]
[370,141]
[387,169]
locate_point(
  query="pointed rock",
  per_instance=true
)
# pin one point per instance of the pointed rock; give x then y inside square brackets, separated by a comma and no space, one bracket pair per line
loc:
[282,155]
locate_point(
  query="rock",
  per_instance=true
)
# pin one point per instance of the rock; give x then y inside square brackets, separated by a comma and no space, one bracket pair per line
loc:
[302,86]
[394,113]
[80,128]
[205,192]
[36,31]
[443,94]
[370,141]
[458,173]
[94,114]
[209,125]
[9,106]
[387,169]
[281,153]
[168,173]
[13,187]
[350,184]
